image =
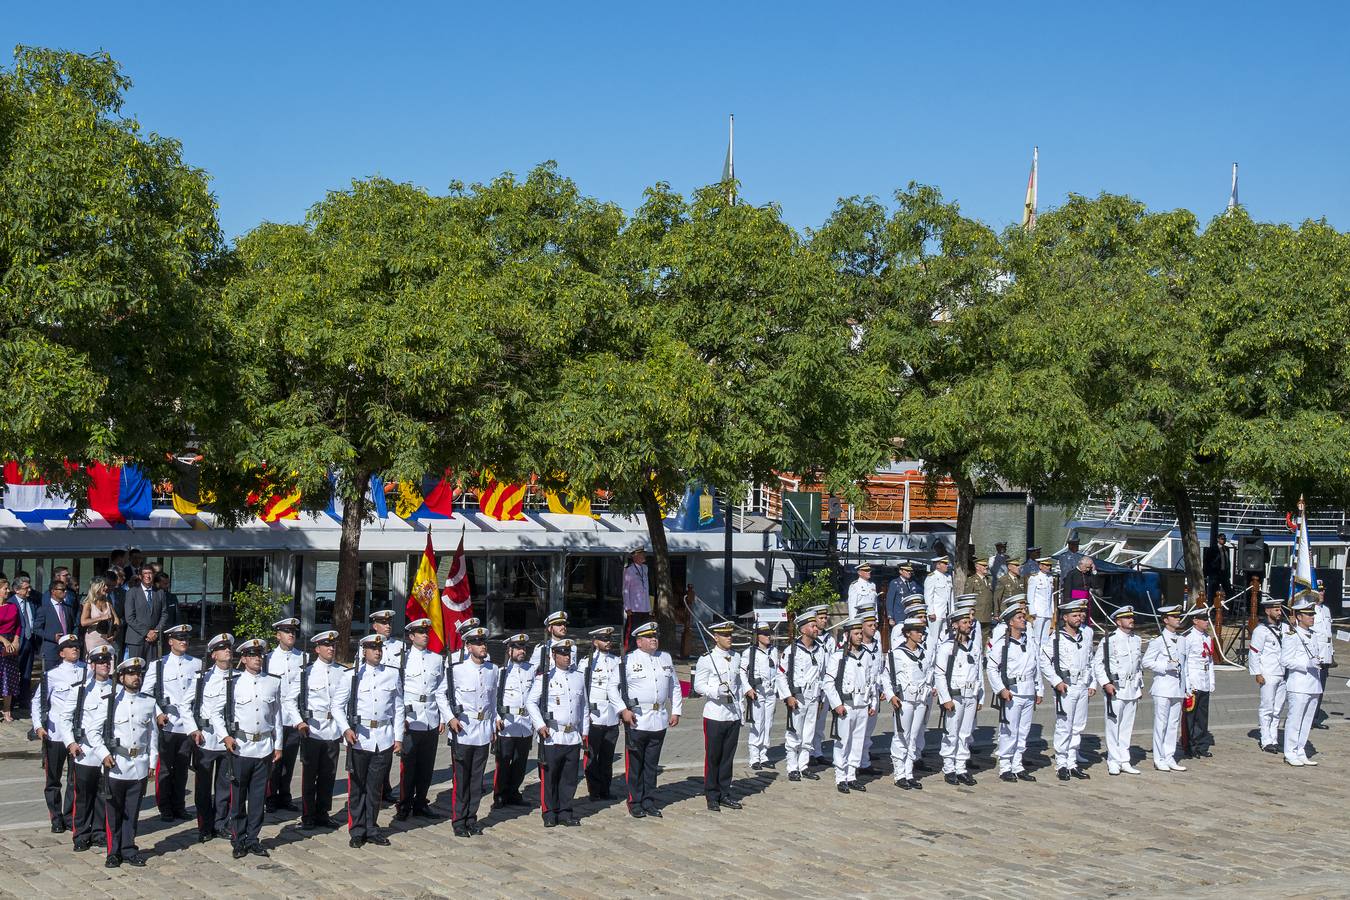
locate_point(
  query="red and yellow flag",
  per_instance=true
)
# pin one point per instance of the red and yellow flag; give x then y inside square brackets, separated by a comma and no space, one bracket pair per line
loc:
[503,502]
[424,600]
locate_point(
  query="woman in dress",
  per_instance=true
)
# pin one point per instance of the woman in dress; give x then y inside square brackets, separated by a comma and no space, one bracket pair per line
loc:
[97,616]
[11,638]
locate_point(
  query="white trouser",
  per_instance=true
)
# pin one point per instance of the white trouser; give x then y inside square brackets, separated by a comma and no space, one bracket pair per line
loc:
[921,739]
[1297,724]
[1012,735]
[1039,632]
[867,740]
[805,731]
[1268,713]
[819,734]
[956,735]
[1069,726]
[905,740]
[1166,729]
[757,735]
[1119,731]
[848,750]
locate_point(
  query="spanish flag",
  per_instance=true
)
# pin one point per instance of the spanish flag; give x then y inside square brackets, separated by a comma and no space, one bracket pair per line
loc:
[424,600]
[503,502]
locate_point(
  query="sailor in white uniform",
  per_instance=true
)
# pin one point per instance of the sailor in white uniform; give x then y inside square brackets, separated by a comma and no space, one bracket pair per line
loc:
[650,699]
[1014,674]
[373,705]
[517,734]
[1118,664]
[718,678]
[121,733]
[172,680]
[907,685]
[1165,658]
[55,697]
[250,719]
[316,705]
[1066,665]
[759,671]
[1303,653]
[1263,662]
[557,708]
[425,711]
[285,661]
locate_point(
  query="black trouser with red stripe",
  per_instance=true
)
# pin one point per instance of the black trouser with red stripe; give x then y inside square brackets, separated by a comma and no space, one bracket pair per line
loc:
[469,762]
[558,780]
[54,757]
[642,757]
[317,777]
[513,757]
[88,812]
[365,783]
[279,785]
[121,815]
[416,765]
[600,744]
[719,751]
[250,792]
[211,790]
[175,759]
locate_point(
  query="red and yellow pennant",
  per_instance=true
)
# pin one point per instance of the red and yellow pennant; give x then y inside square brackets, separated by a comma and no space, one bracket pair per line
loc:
[503,502]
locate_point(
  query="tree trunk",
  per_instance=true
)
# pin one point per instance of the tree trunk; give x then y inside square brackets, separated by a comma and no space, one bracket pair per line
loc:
[664,607]
[965,519]
[1190,541]
[349,565]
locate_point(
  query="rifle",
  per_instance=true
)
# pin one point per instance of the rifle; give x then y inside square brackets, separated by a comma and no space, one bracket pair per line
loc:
[1059,673]
[792,686]
[754,682]
[895,688]
[230,728]
[302,701]
[456,708]
[406,747]
[1110,679]
[110,742]
[549,720]
[159,702]
[352,696]
[947,675]
[839,689]
[1003,676]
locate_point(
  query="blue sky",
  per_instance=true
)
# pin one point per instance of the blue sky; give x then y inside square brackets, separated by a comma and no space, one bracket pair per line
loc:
[283,101]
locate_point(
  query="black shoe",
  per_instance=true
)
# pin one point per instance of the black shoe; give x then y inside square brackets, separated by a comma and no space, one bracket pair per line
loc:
[182,816]
[1079,774]
[1271,748]
[841,787]
[811,776]
[967,779]
[165,817]
[327,822]
[794,776]
[112,862]
[378,839]
[857,786]
[1008,776]
[426,812]
[288,805]
[916,784]
[1203,754]
[461,831]
[637,812]
[204,836]
[571,822]
[136,860]
[923,766]
[820,761]
[754,766]
[475,828]
[239,852]
[58,828]
[1025,776]
[768,765]
[81,846]
[731,804]
[521,801]
[356,843]
[1062,774]
[305,826]
[388,797]
[903,784]
[714,806]
[258,850]
[550,823]
[224,834]
[652,811]
[869,770]
[402,814]
[951,778]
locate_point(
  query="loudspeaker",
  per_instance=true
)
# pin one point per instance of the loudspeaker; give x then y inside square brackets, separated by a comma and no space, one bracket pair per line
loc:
[1251,554]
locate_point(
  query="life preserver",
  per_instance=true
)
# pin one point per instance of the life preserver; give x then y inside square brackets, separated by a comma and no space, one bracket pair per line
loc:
[1289,522]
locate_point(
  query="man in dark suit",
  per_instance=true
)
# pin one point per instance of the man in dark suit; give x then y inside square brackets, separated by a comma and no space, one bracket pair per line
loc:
[1218,567]
[32,641]
[145,615]
[170,600]
[55,616]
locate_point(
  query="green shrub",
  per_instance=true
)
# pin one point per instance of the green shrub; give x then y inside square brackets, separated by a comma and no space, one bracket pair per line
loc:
[255,609]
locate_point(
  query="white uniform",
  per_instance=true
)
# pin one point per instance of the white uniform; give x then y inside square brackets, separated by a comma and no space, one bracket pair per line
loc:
[95,699]
[908,675]
[603,671]
[1164,659]
[851,682]
[717,677]
[653,688]
[1199,661]
[179,689]
[544,653]
[513,686]
[563,711]
[1263,658]
[799,676]
[476,694]
[1303,653]
[1119,660]
[285,664]
[63,686]
[425,705]
[393,652]
[1013,665]
[937,596]
[325,713]
[256,728]
[959,680]
[759,670]
[878,662]
[1040,606]
[133,747]
[211,689]
[861,593]
[1075,671]
[378,722]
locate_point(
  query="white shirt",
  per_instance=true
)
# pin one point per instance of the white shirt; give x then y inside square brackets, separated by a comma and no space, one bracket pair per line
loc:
[654,692]
[285,664]
[603,671]
[211,689]
[909,670]
[851,679]
[1303,654]
[860,593]
[256,728]
[134,747]
[563,710]
[425,706]
[63,686]
[800,671]
[937,595]
[957,670]
[1263,653]
[476,695]
[1022,667]
[180,686]
[764,676]
[1164,659]
[325,713]
[717,676]
[513,686]
[378,721]
[1127,664]
[1041,595]
[1075,659]
[95,695]
[1199,661]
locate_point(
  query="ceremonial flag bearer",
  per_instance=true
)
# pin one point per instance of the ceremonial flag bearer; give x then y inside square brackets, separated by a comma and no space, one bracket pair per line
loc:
[1303,654]
[717,676]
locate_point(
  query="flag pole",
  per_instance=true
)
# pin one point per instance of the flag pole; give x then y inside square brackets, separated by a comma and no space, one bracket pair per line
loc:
[729,171]
[1233,194]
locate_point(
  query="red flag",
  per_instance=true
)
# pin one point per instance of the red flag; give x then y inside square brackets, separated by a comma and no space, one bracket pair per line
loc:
[455,599]
[422,602]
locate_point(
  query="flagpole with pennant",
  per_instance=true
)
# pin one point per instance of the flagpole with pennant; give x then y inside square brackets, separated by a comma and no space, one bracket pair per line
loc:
[1029,205]
[729,167]
[1232,195]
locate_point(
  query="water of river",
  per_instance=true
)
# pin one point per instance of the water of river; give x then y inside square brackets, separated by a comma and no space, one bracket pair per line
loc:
[1006,520]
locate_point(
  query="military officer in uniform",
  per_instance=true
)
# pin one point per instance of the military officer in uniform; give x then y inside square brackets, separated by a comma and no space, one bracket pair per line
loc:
[1041,601]
[907,684]
[1303,653]
[981,587]
[461,628]
[1066,664]
[285,661]
[851,696]
[957,670]
[425,711]
[800,672]
[557,708]
[1119,667]
[862,591]
[937,594]
[210,764]
[57,691]
[1008,584]
[648,693]
[717,677]
[472,690]
[1263,662]
[88,812]
[555,629]
[1015,682]
[897,592]
[250,719]
[517,731]
[315,704]
[1198,646]
[121,733]
[172,680]
[602,674]
[373,701]
[1165,658]
[759,673]
[382,625]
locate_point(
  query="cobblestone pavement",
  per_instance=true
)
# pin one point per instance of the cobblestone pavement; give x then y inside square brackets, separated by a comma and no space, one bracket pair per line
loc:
[1240,821]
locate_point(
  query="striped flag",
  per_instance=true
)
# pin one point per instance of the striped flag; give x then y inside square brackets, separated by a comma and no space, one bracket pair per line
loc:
[1301,570]
[503,502]
[28,496]
[424,601]
[457,598]
[1029,207]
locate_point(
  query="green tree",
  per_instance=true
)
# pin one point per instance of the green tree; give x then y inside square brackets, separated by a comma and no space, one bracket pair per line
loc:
[109,248]
[719,359]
